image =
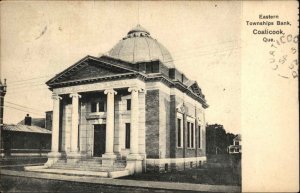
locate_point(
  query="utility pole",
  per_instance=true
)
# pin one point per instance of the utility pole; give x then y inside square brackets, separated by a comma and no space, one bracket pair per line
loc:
[2,94]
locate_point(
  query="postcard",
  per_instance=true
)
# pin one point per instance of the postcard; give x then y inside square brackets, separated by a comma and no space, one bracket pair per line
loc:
[149,96]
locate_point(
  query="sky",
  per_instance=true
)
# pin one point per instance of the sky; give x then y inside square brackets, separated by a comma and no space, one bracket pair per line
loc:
[40,39]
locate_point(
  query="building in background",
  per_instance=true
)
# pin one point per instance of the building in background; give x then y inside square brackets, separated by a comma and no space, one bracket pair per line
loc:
[128,111]
[25,139]
[237,145]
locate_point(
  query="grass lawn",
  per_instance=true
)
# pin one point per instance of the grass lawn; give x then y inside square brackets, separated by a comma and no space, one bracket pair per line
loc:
[220,170]
[213,176]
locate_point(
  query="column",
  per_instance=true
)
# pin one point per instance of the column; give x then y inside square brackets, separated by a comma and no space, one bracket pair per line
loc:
[134,160]
[134,120]
[54,155]
[110,119]
[55,123]
[75,118]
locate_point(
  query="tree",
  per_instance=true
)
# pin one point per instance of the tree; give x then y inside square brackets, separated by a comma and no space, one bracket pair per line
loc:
[217,140]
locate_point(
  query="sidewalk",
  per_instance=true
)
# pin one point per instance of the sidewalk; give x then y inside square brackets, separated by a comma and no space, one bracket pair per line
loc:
[128,183]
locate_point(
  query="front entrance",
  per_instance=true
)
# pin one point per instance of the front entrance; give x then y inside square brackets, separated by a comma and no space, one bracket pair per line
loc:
[99,139]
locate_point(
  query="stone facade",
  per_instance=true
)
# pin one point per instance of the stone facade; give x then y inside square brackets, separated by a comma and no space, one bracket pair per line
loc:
[146,113]
[164,106]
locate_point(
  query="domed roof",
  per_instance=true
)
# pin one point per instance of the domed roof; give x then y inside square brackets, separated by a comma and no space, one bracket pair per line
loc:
[139,46]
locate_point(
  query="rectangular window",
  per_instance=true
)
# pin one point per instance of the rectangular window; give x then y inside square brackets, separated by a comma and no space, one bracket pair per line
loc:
[152,67]
[192,135]
[188,135]
[148,68]
[179,132]
[101,106]
[127,135]
[172,73]
[155,67]
[199,136]
[94,107]
[128,104]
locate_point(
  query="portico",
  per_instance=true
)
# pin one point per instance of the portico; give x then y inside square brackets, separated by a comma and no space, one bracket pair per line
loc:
[77,121]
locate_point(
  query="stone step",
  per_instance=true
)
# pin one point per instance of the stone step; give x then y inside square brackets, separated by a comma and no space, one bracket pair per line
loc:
[103,174]
[100,169]
[80,164]
[88,166]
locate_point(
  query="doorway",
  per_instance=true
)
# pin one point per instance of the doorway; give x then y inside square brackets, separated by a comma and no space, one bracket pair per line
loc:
[99,139]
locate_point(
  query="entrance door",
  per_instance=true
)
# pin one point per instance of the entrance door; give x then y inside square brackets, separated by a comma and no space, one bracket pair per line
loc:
[99,139]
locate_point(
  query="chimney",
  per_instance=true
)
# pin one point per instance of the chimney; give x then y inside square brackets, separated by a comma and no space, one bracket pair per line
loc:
[27,120]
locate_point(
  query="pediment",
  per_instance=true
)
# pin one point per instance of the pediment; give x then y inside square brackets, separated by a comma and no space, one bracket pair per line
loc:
[196,89]
[89,68]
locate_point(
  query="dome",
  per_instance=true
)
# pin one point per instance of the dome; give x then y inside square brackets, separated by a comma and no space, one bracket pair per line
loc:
[139,46]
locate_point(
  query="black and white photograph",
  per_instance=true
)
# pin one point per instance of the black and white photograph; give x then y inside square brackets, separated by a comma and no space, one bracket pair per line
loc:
[147,96]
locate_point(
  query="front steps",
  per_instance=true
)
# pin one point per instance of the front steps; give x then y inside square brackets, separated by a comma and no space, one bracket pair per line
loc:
[87,167]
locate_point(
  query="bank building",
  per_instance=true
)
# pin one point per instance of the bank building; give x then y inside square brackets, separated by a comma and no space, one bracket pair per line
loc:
[128,111]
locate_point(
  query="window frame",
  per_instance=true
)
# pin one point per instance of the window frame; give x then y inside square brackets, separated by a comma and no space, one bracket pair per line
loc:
[192,135]
[179,117]
[97,105]
[128,107]
[94,107]
[188,145]
[191,121]
[127,136]
[104,108]
[199,137]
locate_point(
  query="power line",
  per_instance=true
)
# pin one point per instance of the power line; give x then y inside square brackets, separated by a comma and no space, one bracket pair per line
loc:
[28,90]
[21,89]
[26,86]
[23,106]
[23,110]
[180,51]
[205,45]
[191,52]
[211,53]
[38,77]
[28,82]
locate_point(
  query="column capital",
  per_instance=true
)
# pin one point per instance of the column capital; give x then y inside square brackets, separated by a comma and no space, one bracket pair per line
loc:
[56,97]
[135,89]
[110,91]
[75,95]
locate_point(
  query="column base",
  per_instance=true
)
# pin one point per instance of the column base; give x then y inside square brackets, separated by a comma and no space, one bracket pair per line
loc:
[73,157]
[53,157]
[108,159]
[135,163]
